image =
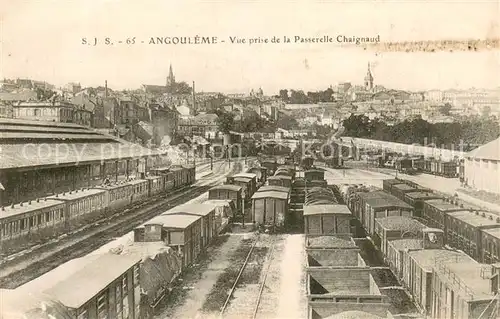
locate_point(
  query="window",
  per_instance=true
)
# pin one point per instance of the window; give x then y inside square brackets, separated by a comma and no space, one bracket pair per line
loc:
[102,306]
[136,275]
[83,314]
[118,301]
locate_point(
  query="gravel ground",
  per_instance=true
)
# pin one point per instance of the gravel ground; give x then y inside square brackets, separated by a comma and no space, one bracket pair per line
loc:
[187,300]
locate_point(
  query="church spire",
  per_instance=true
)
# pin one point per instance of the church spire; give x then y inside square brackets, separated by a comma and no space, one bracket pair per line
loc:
[170,78]
[369,79]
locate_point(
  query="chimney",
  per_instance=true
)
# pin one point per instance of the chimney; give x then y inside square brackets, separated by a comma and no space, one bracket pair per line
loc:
[38,200]
[106,88]
[194,101]
[21,204]
[3,209]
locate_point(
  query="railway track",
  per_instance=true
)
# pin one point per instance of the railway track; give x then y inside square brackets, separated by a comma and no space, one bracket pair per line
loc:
[246,308]
[38,261]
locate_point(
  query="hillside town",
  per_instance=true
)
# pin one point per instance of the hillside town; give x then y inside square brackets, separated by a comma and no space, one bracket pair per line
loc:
[177,109]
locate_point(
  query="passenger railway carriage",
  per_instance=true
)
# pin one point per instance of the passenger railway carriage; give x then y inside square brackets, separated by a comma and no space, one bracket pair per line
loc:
[22,224]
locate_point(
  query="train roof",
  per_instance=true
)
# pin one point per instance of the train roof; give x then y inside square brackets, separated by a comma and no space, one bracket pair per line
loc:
[77,194]
[86,283]
[478,220]
[195,209]
[495,232]
[403,187]
[243,179]
[218,202]
[328,209]
[393,181]
[136,181]
[274,188]
[314,170]
[230,187]
[427,258]
[406,243]
[386,201]
[245,175]
[76,282]
[468,274]
[402,223]
[172,221]
[10,211]
[443,205]
[270,194]
[330,241]
[423,195]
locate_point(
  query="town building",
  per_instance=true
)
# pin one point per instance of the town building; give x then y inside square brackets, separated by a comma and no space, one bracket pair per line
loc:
[52,111]
[482,165]
[203,124]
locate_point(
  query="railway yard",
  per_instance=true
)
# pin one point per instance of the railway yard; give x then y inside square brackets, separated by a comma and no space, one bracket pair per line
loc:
[258,239]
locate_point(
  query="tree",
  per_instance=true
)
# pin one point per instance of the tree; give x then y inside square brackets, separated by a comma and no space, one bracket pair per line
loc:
[298,97]
[445,109]
[284,95]
[225,121]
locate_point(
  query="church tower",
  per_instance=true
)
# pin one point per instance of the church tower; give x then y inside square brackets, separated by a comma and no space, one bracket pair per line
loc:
[369,79]
[170,78]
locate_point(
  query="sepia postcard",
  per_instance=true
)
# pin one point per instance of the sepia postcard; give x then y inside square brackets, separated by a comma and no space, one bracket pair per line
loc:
[249,159]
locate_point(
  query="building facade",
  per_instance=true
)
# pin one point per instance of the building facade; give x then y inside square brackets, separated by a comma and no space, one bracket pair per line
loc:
[62,112]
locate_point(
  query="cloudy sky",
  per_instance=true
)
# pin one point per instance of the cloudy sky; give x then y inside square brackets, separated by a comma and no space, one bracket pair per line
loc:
[43,40]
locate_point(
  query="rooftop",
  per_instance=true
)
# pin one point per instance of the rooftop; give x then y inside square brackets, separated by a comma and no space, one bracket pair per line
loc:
[39,144]
[230,187]
[471,276]
[270,194]
[172,221]
[400,223]
[386,201]
[246,175]
[427,258]
[273,188]
[422,195]
[403,244]
[334,209]
[403,187]
[76,194]
[10,211]
[91,279]
[330,242]
[478,220]
[495,232]
[489,151]
[442,205]
[195,209]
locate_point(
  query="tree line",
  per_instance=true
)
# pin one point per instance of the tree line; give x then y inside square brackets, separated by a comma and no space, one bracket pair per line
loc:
[469,132]
[299,97]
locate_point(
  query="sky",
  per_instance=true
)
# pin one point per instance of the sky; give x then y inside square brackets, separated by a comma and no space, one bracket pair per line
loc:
[42,40]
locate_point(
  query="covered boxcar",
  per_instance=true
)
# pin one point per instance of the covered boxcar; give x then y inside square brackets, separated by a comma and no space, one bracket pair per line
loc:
[490,239]
[207,213]
[181,232]
[267,188]
[383,205]
[417,199]
[314,175]
[434,211]
[327,219]
[463,230]
[270,208]
[270,164]
[388,183]
[395,227]
[399,190]
[227,191]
